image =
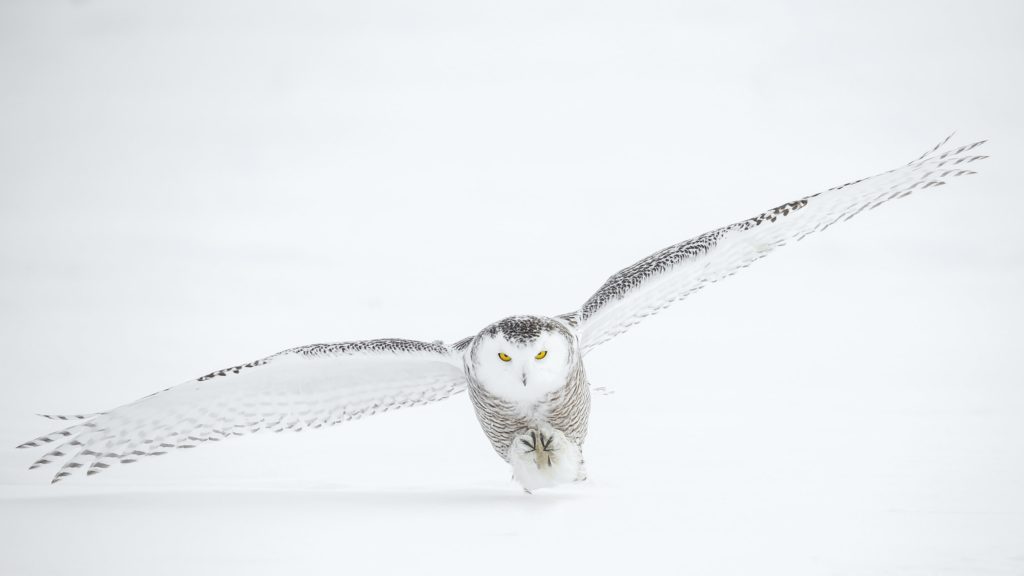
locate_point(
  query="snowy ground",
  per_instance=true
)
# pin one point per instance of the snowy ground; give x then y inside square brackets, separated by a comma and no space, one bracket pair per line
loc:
[187,186]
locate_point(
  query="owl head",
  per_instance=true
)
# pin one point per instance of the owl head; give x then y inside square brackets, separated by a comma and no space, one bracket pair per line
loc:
[523,358]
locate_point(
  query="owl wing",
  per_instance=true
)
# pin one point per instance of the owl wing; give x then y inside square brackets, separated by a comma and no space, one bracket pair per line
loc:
[680,270]
[306,387]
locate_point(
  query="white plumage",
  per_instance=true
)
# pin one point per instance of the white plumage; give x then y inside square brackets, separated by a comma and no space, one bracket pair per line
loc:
[525,374]
[307,387]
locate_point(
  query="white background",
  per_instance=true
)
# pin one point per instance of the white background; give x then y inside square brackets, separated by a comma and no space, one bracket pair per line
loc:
[189,185]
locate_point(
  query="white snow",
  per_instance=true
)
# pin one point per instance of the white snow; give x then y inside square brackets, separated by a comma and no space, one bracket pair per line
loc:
[188,186]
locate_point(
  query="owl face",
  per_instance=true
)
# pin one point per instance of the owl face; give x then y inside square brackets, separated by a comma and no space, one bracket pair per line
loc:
[523,358]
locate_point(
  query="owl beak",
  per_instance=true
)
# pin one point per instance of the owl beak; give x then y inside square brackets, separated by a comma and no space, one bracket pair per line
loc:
[524,378]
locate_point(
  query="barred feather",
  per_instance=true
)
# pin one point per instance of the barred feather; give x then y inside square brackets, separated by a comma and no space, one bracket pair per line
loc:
[307,387]
[674,273]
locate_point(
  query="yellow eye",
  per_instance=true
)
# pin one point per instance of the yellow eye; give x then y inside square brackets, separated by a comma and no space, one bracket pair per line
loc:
[504,357]
[541,355]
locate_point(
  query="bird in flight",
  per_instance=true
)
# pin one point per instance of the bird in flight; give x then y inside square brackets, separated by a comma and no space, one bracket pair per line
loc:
[525,375]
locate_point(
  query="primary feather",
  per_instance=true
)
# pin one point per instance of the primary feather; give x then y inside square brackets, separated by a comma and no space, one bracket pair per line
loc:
[307,387]
[680,270]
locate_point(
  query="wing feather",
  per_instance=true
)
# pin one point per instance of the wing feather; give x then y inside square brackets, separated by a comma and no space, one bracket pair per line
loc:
[674,273]
[307,387]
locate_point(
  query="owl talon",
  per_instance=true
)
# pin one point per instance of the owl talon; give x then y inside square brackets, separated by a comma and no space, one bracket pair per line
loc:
[542,457]
[531,443]
[541,446]
[547,444]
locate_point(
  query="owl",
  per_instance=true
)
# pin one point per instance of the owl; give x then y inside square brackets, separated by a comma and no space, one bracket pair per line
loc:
[525,375]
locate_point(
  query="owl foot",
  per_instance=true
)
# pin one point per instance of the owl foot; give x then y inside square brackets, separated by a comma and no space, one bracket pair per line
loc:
[543,457]
[541,445]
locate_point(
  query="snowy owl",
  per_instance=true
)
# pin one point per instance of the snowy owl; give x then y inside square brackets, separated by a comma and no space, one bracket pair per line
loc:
[525,375]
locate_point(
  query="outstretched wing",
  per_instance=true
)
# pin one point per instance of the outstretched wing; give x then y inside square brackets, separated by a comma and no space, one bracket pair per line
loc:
[307,387]
[680,270]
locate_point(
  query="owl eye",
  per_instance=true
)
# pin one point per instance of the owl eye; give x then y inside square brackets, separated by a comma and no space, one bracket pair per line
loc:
[504,357]
[540,355]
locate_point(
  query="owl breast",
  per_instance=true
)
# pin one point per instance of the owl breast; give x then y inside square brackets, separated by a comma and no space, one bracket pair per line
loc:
[566,409]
